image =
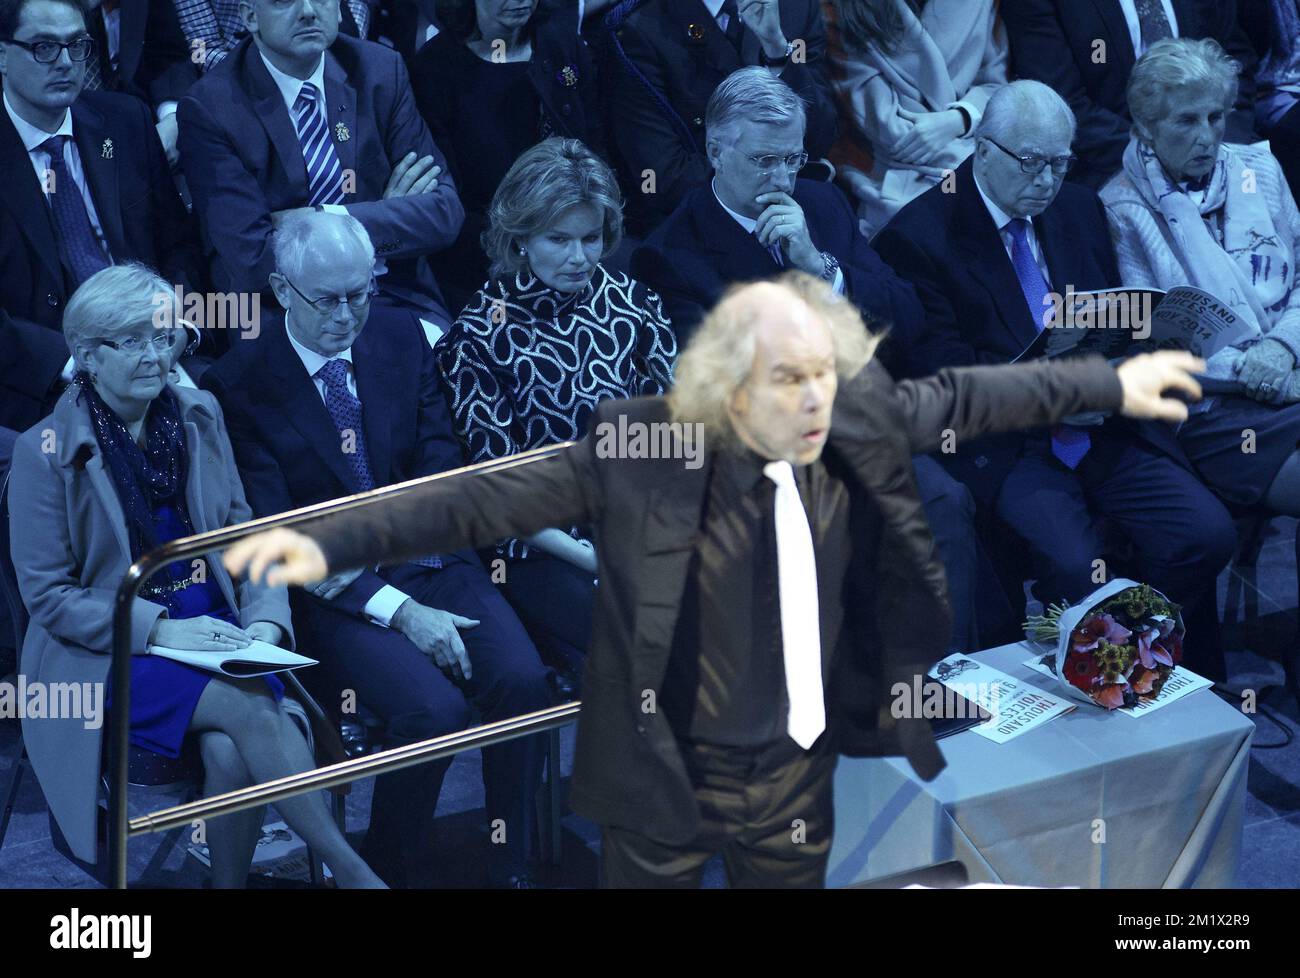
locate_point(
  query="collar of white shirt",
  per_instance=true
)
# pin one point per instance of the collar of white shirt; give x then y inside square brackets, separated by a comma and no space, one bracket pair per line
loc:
[312,360]
[289,86]
[1000,217]
[31,136]
[714,7]
[748,223]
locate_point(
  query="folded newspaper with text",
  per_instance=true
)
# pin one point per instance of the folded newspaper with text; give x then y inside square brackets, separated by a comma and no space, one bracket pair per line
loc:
[1125,322]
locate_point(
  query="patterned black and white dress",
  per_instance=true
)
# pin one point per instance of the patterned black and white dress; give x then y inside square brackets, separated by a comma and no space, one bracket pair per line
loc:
[525,366]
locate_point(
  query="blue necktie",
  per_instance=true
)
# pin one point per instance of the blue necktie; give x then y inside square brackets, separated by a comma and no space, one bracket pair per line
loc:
[324,174]
[345,412]
[1069,444]
[81,246]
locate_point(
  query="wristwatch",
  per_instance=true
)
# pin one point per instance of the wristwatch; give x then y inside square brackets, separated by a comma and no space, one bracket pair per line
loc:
[780,62]
[830,265]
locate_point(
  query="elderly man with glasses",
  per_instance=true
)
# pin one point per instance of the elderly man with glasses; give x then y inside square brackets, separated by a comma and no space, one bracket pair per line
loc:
[86,186]
[343,399]
[987,251]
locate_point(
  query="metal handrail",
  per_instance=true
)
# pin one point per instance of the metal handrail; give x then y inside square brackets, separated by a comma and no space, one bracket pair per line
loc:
[120,826]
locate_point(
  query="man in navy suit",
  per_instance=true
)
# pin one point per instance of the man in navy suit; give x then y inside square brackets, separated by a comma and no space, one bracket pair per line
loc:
[299,117]
[86,185]
[316,409]
[665,59]
[1086,50]
[754,219]
[985,260]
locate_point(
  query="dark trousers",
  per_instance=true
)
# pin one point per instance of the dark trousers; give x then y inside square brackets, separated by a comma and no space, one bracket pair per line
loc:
[554,600]
[401,684]
[768,810]
[1284,140]
[1181,534]
[950,511]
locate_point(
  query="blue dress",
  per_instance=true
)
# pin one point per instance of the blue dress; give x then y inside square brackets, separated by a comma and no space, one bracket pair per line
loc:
[165,693]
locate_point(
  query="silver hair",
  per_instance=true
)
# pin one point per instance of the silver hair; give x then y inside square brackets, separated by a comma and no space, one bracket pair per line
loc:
[298,233]
[1017,101]
[541,185]
[114,300]
[752,95]
[1174,63]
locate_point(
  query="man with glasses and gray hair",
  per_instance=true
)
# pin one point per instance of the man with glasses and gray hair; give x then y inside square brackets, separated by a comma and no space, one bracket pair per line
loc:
[754,219]
[987,251]
[344,398]
[86,185]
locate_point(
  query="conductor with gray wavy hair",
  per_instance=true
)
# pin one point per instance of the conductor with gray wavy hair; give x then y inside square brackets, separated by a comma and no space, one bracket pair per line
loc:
[739,643]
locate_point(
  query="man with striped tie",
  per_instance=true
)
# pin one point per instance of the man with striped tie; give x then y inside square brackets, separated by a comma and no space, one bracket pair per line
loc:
[301,117]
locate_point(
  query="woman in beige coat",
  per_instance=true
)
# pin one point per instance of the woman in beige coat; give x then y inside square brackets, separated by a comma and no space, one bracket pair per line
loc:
[125,462]
[913,78]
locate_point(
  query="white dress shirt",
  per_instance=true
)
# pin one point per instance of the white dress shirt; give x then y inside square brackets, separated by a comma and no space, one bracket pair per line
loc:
[384,603]
[1000,221]
[749,223]
[1135,26]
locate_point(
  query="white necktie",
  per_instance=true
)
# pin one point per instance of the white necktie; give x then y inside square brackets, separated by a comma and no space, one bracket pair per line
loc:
[800,624]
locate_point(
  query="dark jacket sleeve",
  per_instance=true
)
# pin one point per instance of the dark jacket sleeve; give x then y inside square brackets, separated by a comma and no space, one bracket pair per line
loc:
[175,243]
[468,509]
[166,71]
[31,358]
[974,401]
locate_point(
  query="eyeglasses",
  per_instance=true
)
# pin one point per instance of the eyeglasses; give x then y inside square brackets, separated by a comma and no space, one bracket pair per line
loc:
[766,164]
[162,342]
[1034,165]
[327,304]
[47,52]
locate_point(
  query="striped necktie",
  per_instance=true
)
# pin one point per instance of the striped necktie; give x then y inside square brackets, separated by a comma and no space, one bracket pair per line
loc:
[324,174]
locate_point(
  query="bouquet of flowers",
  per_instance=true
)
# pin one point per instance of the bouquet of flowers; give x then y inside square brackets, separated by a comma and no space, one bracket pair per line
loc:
[1117,646]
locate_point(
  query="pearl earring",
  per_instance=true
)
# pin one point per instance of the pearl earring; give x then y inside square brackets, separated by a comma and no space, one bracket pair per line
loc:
[523,251]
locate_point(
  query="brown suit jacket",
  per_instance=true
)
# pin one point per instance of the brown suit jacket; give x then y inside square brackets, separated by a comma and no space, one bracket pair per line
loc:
[891,622]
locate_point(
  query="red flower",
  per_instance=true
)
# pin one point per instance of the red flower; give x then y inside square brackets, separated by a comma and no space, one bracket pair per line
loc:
[1081,670]
[1143,680]
[1112,696]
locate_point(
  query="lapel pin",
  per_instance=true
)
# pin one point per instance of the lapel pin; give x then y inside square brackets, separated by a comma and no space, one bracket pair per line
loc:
[695,32]
[341,132]
[106,151]
[568,76]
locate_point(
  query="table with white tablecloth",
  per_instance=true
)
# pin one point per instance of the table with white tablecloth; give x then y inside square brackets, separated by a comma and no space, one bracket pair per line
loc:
[1092,798]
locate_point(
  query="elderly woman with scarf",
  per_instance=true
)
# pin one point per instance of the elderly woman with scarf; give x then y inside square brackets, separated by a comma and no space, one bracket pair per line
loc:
[1190,209]
[550,336]
[913,77]
[126,462]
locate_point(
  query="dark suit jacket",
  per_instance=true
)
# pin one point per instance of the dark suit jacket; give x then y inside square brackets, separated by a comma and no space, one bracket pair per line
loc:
[693,257]
[153,60]
[242,159]
[286,445]
[628,768]
[666,58]
[975,312]
[1054,42]
[142,217]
